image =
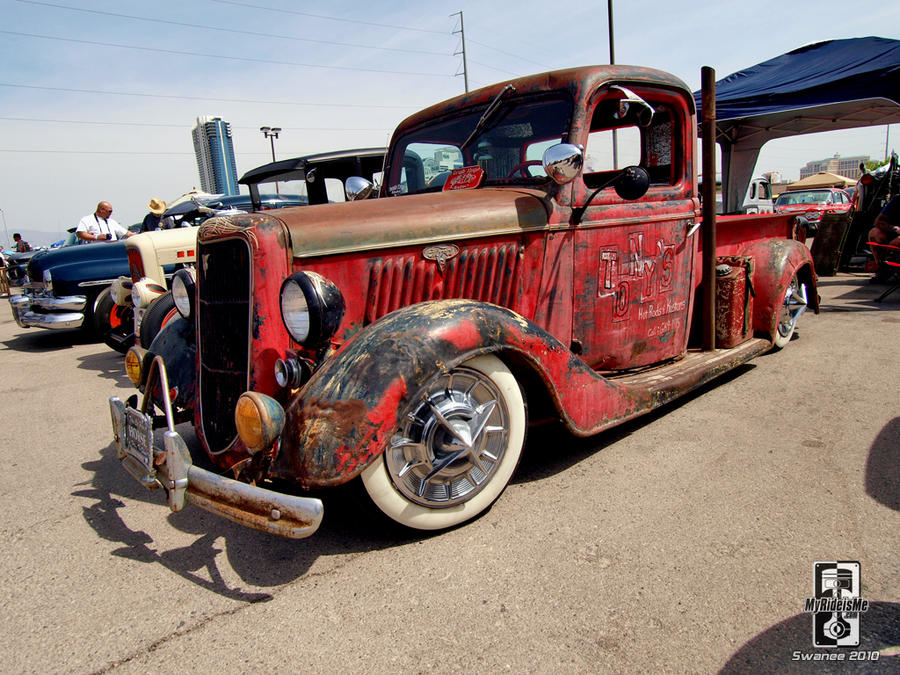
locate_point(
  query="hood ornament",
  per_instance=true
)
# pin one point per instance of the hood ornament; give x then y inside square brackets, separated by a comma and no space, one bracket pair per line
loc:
[441,254]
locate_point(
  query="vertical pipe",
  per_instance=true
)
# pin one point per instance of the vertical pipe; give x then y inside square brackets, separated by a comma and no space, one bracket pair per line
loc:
[612,61]
[708,131]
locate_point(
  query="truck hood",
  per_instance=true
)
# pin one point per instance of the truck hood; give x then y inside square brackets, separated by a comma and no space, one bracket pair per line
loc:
[415,219]
[74,265]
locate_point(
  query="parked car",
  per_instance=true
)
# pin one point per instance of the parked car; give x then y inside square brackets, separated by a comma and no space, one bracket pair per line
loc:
[68,288]
[407,340]
[812,204]
[155,257]
[17,263]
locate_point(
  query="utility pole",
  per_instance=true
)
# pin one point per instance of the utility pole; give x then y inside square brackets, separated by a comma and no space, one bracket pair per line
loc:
[5,231]
[462,35]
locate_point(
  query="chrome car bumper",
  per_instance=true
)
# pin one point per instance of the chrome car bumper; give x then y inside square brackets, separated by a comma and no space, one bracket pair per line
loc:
[171,468]
[64,312]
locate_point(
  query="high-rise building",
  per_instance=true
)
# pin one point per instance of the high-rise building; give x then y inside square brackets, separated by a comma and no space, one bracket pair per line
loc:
[215,155]
[842,166]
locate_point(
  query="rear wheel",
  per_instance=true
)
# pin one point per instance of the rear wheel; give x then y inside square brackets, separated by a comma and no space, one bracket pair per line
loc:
[113,323]
[161,311]
[793,305]
[455,450]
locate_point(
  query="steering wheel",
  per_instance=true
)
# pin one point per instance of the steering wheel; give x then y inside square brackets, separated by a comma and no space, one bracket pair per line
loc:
[521,166]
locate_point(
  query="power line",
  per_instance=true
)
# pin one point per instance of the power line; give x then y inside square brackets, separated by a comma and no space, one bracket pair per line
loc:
[329,18]
[516,56]
[210,98]
[194,26]
[178,52]
[171,124]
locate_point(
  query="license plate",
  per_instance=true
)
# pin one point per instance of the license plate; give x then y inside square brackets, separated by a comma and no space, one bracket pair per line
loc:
[139,441]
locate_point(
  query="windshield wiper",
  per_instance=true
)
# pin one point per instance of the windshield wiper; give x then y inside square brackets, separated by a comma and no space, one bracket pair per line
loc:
[489,113]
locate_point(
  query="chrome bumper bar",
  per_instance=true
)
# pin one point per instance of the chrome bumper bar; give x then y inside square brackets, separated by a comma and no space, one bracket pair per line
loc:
[171,468]
[65,312]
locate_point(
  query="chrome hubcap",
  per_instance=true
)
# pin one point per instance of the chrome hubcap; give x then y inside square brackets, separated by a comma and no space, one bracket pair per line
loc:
[794,305]
[451,440]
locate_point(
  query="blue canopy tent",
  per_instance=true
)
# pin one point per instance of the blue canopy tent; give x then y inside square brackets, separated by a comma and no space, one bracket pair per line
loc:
[831,85]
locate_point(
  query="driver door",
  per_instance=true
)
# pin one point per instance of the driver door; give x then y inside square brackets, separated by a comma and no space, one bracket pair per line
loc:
[633,259]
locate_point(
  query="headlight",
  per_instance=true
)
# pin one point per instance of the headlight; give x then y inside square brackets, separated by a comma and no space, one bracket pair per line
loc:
[134,365]
[184,292]
[311,307]
[259,420]
[48,280]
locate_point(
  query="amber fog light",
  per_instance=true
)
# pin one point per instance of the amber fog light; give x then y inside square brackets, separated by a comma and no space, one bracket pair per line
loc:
[259,420]
[134,362]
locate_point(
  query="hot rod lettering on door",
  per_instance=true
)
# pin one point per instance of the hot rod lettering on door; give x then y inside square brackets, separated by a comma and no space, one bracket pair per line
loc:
[631,307]
[634,273]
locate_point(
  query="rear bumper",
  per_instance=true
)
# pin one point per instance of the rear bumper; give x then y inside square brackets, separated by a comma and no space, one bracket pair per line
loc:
[171,468]
[35,311]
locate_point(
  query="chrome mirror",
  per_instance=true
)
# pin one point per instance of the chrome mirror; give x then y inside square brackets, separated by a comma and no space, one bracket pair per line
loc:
[563,162]
[358,188]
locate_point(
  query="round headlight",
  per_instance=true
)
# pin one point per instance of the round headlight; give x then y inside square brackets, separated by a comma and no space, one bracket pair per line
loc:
[312,308]
[134,365]
[259,420]
[183,290]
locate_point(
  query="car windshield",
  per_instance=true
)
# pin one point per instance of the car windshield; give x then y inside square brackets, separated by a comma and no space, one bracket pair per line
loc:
[508,148]
[809,197]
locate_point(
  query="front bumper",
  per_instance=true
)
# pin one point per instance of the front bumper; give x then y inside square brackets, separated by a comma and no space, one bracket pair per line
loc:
[31,310]
[171,468]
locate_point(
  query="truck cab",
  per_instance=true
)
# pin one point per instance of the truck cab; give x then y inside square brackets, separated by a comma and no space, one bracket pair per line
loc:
[533,251]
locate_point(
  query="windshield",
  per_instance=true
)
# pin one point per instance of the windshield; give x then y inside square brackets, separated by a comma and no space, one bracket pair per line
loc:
[796,198]
[508,148]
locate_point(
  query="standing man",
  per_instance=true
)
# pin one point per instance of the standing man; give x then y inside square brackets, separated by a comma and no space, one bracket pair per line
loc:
[98,226]
[21,245]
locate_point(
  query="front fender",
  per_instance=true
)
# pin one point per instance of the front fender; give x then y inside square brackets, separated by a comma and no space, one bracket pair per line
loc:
[177,345]
[345,415]
[776,263]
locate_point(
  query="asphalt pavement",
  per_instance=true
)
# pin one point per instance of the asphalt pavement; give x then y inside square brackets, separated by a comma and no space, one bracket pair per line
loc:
[681,542]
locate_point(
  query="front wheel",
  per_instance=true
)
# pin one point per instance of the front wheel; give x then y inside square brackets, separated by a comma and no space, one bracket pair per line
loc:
[793,305]
[113,323]
[457,445]
[161,311]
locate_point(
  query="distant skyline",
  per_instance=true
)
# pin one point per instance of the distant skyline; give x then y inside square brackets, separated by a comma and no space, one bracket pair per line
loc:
[98,103]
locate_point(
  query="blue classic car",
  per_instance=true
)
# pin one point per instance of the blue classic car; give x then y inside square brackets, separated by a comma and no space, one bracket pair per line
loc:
[64,287]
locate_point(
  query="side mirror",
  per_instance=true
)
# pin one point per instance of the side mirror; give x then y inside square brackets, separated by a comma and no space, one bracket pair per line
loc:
[563,162]
[632,183]
[357,188]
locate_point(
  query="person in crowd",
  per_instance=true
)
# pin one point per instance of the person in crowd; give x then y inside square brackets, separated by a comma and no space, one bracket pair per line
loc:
[99,226]
[21,244]
[885,230]
[154,220]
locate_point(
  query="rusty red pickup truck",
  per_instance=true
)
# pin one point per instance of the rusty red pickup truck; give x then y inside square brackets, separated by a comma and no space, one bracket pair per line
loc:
[534,250]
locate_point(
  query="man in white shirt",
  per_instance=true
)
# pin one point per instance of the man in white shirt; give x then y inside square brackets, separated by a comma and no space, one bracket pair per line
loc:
[98,226]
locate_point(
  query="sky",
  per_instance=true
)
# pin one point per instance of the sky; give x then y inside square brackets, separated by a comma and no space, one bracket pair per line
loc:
[97,99]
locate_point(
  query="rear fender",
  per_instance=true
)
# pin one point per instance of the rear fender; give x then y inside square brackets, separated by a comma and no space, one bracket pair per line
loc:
[345,415]
[776,261]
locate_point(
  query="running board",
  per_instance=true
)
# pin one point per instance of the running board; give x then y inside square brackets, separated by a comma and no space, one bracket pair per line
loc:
[667,382]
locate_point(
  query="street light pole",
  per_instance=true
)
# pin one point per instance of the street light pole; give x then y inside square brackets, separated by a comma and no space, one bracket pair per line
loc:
[271,133]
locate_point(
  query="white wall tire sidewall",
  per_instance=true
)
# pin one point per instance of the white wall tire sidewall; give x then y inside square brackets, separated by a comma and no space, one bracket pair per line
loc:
[381,490]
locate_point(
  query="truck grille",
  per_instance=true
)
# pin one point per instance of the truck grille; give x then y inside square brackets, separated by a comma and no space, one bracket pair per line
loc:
[488,274]
[223,319]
